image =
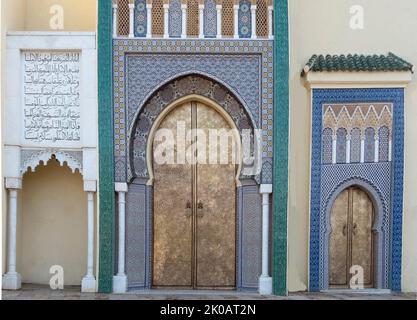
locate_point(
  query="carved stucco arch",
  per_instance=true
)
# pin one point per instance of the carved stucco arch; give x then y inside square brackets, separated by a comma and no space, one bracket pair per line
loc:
[43,156]
[172,90]
[380,228]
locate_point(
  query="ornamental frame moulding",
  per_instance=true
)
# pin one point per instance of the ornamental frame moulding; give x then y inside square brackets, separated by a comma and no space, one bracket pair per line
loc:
[30,159]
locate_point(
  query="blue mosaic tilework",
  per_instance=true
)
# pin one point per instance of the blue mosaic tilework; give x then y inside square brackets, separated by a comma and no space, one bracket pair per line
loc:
[210,19]
[383,135]
[369,145]
[355,145]
[140,18]
[244,66]
[174,18]
[327,145]
[245,19]
[341,145]
[386,177]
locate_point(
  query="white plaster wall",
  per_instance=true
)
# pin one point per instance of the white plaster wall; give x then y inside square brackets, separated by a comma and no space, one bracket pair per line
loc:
[322,26]
[13,143]
[85,43]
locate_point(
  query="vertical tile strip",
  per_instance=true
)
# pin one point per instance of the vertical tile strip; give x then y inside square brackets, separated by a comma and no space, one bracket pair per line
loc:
[280,181]
[106,166]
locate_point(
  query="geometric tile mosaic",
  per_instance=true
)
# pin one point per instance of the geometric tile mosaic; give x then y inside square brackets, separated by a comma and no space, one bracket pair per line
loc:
[383,179]
[141,66]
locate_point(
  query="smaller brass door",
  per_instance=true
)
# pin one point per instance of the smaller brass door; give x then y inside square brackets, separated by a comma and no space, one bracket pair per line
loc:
[351,238]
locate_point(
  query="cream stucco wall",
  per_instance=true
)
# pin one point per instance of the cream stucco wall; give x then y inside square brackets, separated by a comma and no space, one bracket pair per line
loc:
[2,198]
[322,26]
[52,224]
[34,15]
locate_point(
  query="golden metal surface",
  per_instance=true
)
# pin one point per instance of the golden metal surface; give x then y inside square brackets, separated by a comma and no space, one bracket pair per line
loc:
[351,239]
[194,210]
[216,225]
[172,229]
[362,246]
[338,245]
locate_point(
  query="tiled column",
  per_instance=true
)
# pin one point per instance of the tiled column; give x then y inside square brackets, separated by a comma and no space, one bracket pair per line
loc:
[88,283]
[253,19]
[131,20]
[120,280]
[348,139]
[265,280]
[334,149]
[376,158]
[236,21]
[270,22]
[12,279]
[362,149]
[184,21]
[148,20]
[115,20]
[201,20]
[219,21]
[166,20]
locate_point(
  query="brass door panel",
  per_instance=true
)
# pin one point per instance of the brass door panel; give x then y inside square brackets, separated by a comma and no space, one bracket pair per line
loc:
[194,209]
[339,240]
[172,231]
[216,220]
[351,239]
[362,247]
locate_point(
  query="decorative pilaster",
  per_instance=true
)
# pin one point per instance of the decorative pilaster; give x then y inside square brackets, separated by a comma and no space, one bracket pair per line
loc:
[376,158]
[219,21]
[120,280]
[166,20]
[105,139]
[334,149]
[201,20]
[115,21]
[253,19]
[265,280]
[236,21]
[280,177]
[270,22]
[148,20]
[184,21]
[12,279]
[348,139]
[131,19]
[88,283]
[362,149]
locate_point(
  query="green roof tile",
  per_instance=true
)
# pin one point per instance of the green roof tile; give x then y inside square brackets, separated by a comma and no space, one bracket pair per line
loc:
[356,62]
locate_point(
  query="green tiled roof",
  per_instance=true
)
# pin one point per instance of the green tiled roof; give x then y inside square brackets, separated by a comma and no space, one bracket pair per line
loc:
[356,62]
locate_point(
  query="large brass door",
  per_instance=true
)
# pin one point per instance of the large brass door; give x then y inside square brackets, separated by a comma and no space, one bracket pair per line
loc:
[194,206]
[351,239]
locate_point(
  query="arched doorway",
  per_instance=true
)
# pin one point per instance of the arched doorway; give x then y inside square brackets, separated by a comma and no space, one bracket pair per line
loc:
[194,206]
[352,239]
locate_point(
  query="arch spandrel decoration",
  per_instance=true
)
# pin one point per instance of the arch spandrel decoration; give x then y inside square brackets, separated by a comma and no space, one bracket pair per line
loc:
[30,159]
[166,95]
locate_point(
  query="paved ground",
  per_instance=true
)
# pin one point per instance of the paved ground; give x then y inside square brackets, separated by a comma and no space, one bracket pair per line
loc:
[29,292]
